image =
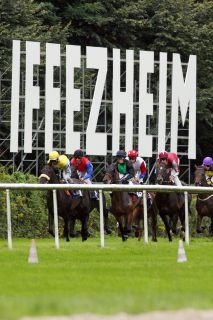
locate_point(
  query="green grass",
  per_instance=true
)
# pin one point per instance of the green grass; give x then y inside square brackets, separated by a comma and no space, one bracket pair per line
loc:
[81,277]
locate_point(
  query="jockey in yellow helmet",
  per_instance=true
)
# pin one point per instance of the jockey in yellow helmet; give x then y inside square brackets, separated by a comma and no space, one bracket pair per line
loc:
[53,158]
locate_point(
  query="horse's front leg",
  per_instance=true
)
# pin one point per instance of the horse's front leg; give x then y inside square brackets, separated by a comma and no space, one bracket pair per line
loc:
[166,223]
[66,228]
[72,227]
[120,224]
[173,223]
[153,214]
[199,221]
[211,227]
[50,222]
[128,223]
[84,227]
[136,223]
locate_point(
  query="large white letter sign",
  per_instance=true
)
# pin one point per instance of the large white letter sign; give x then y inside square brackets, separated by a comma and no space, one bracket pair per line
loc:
[145,102]
[96,143]
[15,96]
[31,92]
[52,95]
[122,101]
[184,94]
[162,102]
[73,60]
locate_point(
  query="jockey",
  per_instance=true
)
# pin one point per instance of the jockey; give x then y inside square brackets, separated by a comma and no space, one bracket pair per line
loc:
[53,159]
[139,165]
[64,165]
[172,162]
[124,167]
[208,167]
[84,169]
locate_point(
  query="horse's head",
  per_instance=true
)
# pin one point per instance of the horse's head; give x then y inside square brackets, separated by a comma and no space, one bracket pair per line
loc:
[162,173]
[200,178]
[48,175]
[111,175]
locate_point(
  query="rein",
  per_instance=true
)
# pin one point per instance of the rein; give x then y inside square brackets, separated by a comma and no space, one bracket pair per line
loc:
[205,199]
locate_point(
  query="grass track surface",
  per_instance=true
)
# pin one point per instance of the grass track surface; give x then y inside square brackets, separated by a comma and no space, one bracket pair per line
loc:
[81,277]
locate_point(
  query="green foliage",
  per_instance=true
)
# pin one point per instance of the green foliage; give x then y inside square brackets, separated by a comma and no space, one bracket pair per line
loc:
[28,208]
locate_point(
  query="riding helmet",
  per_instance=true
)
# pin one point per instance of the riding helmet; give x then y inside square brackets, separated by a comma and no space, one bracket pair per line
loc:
[53,156]
[121,154]
[163,155]
[207,161]
[63,161]
[132,154]
[78,153]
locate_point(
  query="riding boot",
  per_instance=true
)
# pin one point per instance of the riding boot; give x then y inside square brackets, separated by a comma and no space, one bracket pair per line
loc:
[94,195]
[76,194]
[149,202]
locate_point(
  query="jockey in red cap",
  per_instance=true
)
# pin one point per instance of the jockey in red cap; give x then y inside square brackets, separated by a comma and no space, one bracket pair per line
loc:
[84,168]
[139,165]
[172,162]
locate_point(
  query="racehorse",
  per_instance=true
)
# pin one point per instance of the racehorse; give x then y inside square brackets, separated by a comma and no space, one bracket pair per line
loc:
[87,205]
[122,203]
[66,204]
[204,203]
[170,204]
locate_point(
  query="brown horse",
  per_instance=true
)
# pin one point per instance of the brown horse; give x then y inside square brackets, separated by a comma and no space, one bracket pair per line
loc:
[204,203]
[170,205]
[138,217]
[66,204]
[122,203]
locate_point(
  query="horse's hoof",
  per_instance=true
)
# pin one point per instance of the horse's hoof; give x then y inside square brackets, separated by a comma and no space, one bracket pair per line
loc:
[84,239]
[154,240]
[67,239]
[125,237]
[136,234]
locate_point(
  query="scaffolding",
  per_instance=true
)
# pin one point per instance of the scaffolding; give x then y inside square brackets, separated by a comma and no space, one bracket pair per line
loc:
[85,81]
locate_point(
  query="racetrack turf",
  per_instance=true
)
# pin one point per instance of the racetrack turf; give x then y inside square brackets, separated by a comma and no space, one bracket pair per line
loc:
[81,277]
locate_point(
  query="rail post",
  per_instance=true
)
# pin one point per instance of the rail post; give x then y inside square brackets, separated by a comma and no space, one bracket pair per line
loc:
[145,216]
[55,218]
[101,218]
[9,228]
[186,217]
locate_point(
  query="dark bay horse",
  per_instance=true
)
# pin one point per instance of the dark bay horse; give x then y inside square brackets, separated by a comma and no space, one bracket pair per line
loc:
[204,203]
[66,204]
[171,204]
[122,203]
[87,205]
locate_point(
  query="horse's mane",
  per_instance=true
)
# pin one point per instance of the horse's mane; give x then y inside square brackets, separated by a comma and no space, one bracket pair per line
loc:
[111,167]
[49,171]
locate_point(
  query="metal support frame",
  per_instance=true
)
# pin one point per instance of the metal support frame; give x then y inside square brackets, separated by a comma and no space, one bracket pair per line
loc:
[86,83]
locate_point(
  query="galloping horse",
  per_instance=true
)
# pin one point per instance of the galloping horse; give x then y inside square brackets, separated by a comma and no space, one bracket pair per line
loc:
[66,204]
[204,203]
[122,204]
[86,206]
[169,204]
